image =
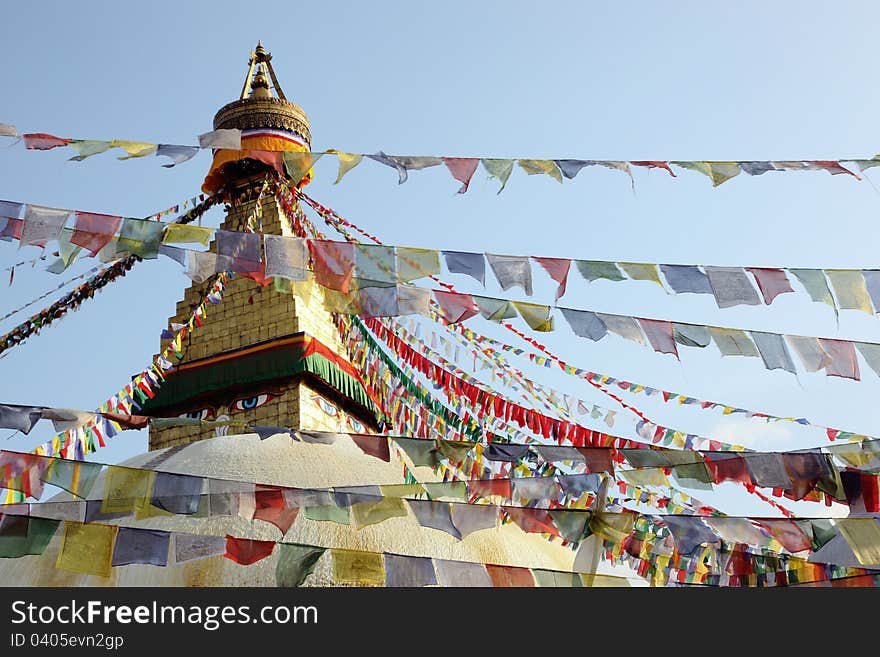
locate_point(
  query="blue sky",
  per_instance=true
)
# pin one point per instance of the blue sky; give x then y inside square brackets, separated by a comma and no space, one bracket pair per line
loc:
[638,80]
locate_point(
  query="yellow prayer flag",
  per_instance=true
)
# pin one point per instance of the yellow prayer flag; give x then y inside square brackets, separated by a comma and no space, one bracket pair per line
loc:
[850,290]
[87,549]
[863,536]
[299,164]
[371,513]
[133,148]
[401,490]
[854,455]
[351,567]
[638,271]
[721,172]
[535,315]
[596,580]
[616,526]
[184,234]
[533,167]
[645,477]
[341,302]
[347,162]
[127,490]
[701,167]
[414,263]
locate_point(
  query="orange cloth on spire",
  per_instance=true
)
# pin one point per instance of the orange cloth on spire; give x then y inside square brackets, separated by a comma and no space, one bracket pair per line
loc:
[214,180]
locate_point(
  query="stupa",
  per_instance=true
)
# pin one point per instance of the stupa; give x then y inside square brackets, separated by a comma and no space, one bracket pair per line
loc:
[271,359]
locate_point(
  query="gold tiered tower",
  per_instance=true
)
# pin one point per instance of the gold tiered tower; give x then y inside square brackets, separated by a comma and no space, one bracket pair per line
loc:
[261,357]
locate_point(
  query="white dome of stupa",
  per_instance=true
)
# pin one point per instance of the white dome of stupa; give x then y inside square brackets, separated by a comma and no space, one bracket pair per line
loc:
[280,461]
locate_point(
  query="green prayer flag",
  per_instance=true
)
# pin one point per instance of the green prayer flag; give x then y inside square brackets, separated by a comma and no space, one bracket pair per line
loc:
[23,535]
[816,285]
[454,450]
[370,513]
[500,169]
[556,578]
[329,513]
[76,477]
[572,525]
[694,474]
[140,237]
[420,452]
[295,563]
[594,269]
[823,531]
[453,489]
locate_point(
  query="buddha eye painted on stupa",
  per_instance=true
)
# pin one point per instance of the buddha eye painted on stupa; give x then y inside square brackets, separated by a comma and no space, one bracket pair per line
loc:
[231,407]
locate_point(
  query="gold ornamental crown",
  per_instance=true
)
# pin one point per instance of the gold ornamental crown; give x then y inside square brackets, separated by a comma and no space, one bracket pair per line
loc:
[258,108]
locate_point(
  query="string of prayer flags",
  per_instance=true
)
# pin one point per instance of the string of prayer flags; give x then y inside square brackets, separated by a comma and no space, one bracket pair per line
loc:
[384,265]
[462,169]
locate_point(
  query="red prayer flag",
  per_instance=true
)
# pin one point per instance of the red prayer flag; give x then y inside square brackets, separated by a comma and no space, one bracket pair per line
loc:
[270,506]
[653,165]
[94,231]
[333,263]
[833,167]
[533,521]
[11,228]
[373,445]
[271,158]
[788,533]
[488,488]
[728,469]
[507,576]
[598,459]
[870,492]
[246,551]
[257,276]
[462,169]
[39,141]
[771,282]
[456,307]
[843,358]
[128,421]
[558,269]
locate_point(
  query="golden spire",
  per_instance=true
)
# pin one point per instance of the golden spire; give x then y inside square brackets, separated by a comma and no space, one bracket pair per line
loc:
[261,61]
[256,107]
